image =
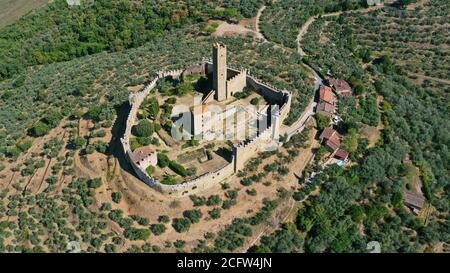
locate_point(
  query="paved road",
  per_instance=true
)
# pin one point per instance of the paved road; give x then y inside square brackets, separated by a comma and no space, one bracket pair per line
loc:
[299,125]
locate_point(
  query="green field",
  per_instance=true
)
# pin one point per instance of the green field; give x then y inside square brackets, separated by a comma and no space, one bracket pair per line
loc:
[13,9]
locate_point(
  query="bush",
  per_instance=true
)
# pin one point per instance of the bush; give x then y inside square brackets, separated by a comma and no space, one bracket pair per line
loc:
[116,197]
[105,207]
[163,160]
[254,101]
[158,229]
[135,234]
[95,183]
[215,213]
[251,192]
[169,180]
[150,169]
[143,129]
[322,121]
[171,100]
[179,244]
[193,215]
[78,143]
[115,215]
[214,200]
[177,168]
[181,224]
[39,129]
[163,219]
[198,200]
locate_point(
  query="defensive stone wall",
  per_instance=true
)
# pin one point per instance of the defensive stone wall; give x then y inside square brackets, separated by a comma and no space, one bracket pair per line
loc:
[248,149]
[200,183]
[241,153]
[237,83]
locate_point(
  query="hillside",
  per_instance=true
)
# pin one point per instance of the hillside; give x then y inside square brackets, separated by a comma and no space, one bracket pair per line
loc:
[66,74]
[12,10]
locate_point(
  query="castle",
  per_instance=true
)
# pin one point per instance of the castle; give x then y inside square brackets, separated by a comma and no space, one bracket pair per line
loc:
[227,81]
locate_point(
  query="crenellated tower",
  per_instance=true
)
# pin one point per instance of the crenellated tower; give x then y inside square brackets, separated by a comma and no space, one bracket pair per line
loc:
[220,71]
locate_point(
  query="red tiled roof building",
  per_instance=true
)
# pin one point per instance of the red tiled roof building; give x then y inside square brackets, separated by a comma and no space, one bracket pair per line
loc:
[326,94]
[341,87]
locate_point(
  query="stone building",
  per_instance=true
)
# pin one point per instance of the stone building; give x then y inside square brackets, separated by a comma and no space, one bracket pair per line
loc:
[220,71]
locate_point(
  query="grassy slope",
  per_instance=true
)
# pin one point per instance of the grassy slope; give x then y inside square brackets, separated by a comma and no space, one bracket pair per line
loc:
[14,9]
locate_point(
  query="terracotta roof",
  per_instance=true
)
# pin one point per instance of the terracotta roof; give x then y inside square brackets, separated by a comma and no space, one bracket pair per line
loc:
[327,133]
[414,199]
[334,142]
[326,94]
[140,154]
[341,154]
[340,86]
[325,107]
[333,138]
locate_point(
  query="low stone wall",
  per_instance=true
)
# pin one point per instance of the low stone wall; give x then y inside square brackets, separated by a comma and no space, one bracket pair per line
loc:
[200,183]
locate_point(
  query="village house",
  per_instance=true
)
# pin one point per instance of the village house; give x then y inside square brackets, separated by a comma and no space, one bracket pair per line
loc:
[144,157]
[332,138]
[325,109]
[326,95]
[341,155]
[341,87]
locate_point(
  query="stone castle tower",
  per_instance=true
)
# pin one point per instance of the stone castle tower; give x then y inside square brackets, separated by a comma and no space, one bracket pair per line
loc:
[220,71]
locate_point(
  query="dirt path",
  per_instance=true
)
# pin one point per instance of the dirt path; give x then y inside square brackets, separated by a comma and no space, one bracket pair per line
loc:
[424,77]
[302,32]
[304,29]
[259,35]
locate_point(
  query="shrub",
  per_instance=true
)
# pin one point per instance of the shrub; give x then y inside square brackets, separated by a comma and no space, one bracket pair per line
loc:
[251,192]
[116,197]
[254,101]
[193,215]
[115,215]
[171,100]
[215,213]
[214,200]
[39,129]
[179,244]
[135,234]
[232,194]
[78,143]
[177,168]
[163,160]
[105,207]
[143,129]
[169,180]
[163,219]
[181,224]
[95,183]
[198,200]
[158,229]
[150,169]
